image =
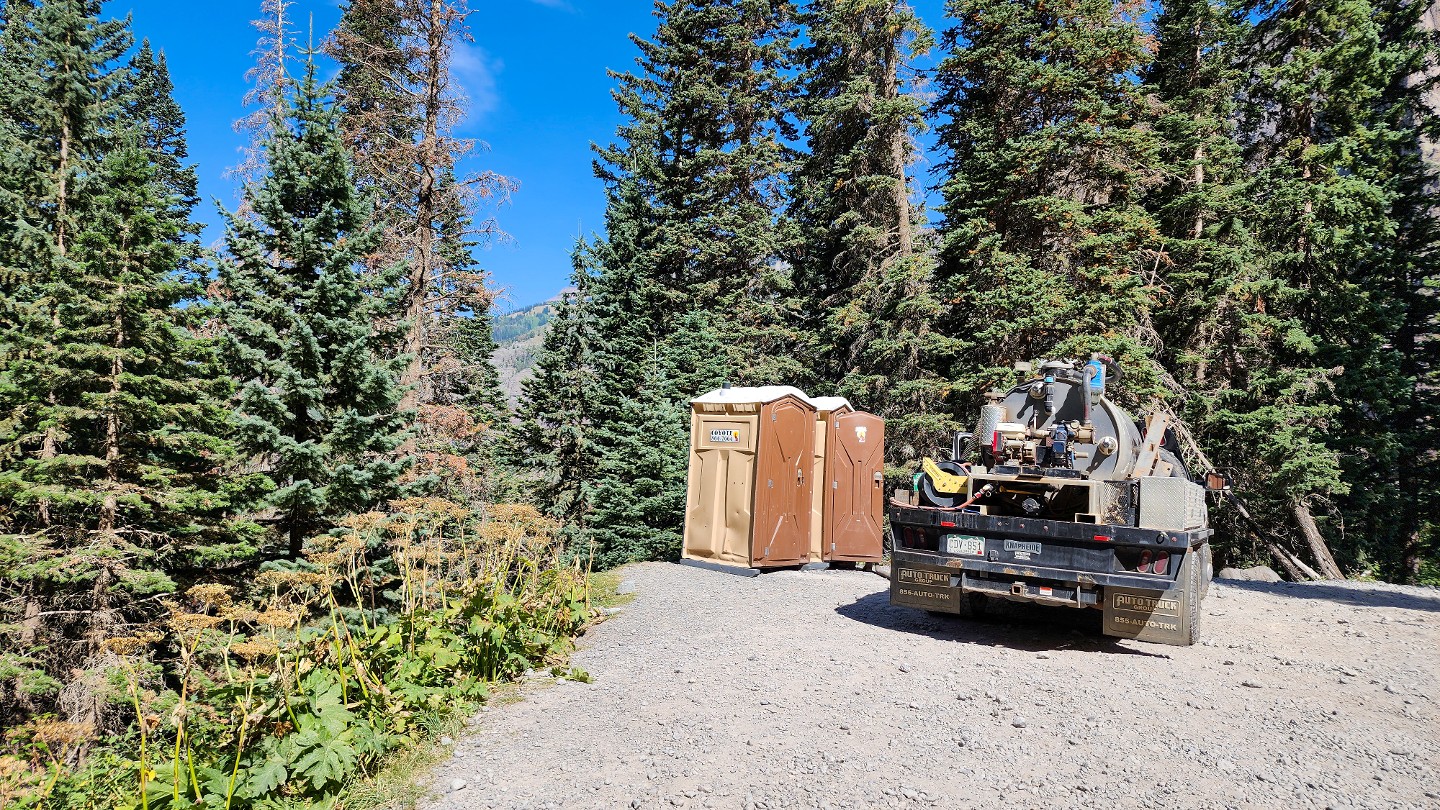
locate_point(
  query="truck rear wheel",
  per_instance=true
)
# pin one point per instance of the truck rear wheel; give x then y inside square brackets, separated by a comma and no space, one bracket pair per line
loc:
[1193,595]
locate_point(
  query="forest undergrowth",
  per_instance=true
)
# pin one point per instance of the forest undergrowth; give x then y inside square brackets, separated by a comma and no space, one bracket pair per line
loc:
[282,691]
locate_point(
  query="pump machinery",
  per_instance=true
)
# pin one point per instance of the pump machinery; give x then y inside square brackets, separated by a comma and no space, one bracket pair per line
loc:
[1059,497]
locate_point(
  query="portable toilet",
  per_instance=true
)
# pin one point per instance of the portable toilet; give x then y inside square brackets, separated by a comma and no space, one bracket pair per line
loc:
[749,495]
[825,407]
[853,508]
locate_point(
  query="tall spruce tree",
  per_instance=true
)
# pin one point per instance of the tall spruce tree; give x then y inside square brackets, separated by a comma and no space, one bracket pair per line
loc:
[701,158]
[399,108]
[863,264]
[1211,330]
[553,433]
[1047,150]
[1411,105]
[1322,212]
[318,405]
[112,433]
[694,239]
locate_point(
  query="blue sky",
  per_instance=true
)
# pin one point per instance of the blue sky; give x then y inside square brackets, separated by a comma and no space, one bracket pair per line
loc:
[536,79]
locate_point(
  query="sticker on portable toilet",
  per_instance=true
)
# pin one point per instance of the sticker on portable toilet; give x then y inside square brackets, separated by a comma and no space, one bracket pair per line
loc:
[860,433]
[725,436]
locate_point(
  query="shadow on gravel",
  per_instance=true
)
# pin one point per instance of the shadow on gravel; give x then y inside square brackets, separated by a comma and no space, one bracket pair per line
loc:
[1018,626]
[1356,595]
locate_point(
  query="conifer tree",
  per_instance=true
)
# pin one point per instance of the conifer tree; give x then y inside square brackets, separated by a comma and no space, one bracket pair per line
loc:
[1046,251]
[399,108]
[318,406]
[112,427]
[863,264]
[701,156]
[553,434]
[639,500]
[1322,211]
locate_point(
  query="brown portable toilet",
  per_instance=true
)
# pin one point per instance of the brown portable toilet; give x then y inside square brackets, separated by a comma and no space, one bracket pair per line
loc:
[825,407]
[854,488]
[750,484]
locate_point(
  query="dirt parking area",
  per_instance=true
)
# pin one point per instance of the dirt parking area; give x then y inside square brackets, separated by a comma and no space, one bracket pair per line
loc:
[808,690]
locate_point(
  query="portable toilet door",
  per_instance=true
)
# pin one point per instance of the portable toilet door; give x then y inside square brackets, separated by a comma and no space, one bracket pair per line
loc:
[854,488]
[825,407]
[750,477]
[784,480]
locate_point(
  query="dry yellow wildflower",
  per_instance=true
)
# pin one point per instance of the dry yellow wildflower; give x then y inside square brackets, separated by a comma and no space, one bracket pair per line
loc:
[254,648]
[212,594]
[124,645]
[58,733]
[275,617]
[191,622]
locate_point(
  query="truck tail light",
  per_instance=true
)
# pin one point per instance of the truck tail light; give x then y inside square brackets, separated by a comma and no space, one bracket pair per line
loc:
[1162,562]
[1144,566]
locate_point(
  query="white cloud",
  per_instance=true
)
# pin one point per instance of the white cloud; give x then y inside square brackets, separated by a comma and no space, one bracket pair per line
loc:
[475,72]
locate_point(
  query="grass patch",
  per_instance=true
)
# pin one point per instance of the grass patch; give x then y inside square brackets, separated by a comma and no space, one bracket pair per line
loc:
[604,587]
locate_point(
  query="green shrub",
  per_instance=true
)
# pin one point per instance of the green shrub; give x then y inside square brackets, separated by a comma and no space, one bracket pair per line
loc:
[280,698]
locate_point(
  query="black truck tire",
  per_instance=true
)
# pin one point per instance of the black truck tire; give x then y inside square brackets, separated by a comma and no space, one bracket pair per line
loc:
[1193,594]
[1207,573]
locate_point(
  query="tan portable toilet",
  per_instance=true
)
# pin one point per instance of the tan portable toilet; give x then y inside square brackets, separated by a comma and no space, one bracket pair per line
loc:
[749,493]
[853,517]
[825,407]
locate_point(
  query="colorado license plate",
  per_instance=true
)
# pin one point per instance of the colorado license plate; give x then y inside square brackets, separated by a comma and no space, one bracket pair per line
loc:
[964,544]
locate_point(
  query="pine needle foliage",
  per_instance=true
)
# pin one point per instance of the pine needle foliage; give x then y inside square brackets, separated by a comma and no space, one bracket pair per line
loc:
[318,406]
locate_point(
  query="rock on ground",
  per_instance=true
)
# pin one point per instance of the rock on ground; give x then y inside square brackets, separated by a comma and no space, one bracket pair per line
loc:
[808,690]
[1259,573]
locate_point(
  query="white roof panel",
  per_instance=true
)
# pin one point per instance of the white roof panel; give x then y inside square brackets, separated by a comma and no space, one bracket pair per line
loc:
[760,393]
[830,403]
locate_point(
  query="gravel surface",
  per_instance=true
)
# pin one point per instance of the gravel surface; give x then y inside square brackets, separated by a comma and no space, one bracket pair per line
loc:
[807,690]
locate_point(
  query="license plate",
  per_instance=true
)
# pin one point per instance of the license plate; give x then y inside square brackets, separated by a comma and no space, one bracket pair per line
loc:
[965,544]
[1022,547]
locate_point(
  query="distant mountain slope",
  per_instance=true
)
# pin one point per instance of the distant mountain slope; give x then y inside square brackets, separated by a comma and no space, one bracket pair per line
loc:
[519,334]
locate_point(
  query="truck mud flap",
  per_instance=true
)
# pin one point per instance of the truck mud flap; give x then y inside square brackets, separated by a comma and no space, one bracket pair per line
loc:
[927,587]
[1162,617]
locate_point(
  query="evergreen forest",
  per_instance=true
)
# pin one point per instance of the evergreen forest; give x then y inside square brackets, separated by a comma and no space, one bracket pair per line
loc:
[267,516]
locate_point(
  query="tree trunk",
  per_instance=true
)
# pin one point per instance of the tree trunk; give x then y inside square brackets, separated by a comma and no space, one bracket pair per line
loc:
[898,155]
[423,262]
[1324,561]
[110,507]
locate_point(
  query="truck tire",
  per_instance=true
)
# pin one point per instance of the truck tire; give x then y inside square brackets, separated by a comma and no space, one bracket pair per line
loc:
[1207,558]
[1193,594]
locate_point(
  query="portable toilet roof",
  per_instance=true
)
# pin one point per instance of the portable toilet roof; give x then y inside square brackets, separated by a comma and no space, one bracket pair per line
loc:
[750,394]
[831,403]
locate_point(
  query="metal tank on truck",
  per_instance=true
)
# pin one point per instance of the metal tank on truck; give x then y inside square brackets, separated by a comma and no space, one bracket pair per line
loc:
[1071,503]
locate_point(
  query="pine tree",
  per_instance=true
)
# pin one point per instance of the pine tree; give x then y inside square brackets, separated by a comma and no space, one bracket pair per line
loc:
[701,158]
[318,406]
[399,108]
[1046,251]
[553,434]
[863,264]
[639,511]
[1322,211]
[112,427]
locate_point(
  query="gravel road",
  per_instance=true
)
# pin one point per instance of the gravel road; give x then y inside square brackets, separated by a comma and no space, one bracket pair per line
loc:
[807,690]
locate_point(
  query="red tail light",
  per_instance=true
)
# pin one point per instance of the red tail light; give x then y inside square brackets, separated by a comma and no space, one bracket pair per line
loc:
[1162,562]
[947,524]
[1144,566]
[995,443]
[1100,538]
